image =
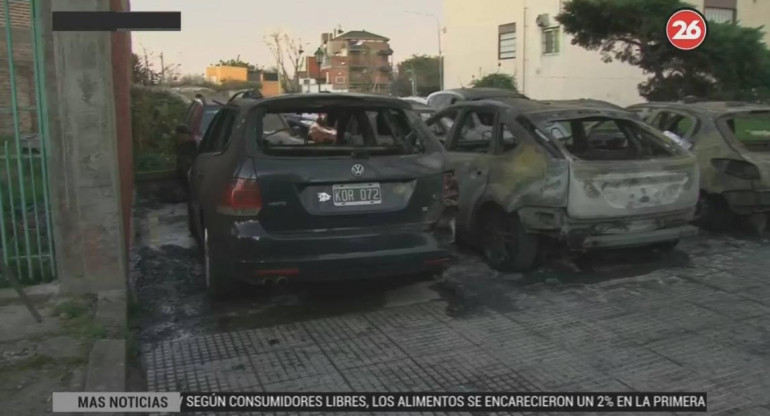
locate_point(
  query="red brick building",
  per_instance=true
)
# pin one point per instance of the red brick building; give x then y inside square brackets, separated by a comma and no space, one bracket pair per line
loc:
[355,61]
[23,63]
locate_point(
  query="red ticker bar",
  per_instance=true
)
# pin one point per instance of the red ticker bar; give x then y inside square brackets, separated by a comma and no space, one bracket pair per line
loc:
[114,21]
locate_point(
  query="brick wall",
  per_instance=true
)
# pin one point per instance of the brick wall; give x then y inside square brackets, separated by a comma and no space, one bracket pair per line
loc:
[23,57]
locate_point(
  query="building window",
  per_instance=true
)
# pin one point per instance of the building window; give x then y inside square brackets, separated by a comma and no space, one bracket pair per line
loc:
[551,40]
[506,41]
[719,15]
[339,80]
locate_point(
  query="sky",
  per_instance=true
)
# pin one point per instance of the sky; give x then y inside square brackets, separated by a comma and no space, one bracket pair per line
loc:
[223,29]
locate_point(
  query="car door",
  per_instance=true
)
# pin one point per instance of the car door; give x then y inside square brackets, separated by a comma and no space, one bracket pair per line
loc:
[209,148]
[470,150]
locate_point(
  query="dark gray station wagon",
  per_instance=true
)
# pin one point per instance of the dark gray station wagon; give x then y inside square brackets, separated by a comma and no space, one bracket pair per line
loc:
[373,198]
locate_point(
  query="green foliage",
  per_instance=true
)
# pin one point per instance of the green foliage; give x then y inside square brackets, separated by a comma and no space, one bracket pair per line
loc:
[77,317]
[237,62]
[142,72]
[732,64]
[426,70]
[497,80]
[155,113]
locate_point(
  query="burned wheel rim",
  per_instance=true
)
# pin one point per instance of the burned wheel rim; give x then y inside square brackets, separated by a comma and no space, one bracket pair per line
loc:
[206,260]
[497,240]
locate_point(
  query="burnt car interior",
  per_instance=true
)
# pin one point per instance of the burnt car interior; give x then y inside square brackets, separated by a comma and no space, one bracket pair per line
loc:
[357,131]
[603,138]
[751,129]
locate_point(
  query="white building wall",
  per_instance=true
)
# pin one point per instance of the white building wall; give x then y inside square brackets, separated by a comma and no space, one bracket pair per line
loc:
[471,40]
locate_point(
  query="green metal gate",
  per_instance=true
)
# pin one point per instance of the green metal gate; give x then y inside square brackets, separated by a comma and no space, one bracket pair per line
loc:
[26,238]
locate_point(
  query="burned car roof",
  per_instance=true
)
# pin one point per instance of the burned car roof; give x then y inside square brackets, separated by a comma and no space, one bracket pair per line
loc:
[482,93]
[559,108]
[586,102]
[714,108]
[316,100]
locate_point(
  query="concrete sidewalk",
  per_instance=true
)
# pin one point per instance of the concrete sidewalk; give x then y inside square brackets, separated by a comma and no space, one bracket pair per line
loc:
[705,327]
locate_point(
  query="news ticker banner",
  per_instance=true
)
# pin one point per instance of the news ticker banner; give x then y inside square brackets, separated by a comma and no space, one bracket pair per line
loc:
[379,402]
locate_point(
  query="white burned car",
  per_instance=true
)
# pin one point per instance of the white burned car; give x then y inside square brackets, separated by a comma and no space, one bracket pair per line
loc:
[589,176]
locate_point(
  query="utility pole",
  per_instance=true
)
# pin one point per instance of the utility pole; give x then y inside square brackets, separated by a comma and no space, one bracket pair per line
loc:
[414,80]
[162,70]
[440,58]
[440,55]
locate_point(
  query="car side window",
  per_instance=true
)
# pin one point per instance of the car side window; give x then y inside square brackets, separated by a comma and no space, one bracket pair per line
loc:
[474,132]
[209,142]
[442,124]
[682,125]
[225,131]
[508,140]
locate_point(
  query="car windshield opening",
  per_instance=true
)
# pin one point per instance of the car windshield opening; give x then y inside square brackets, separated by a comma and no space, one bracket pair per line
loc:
[340,131]
[752,130]
[608,138]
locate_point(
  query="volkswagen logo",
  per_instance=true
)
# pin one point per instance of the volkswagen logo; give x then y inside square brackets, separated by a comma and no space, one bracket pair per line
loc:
[357,170]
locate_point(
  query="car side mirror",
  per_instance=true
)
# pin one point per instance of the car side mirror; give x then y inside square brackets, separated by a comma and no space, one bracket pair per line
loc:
[297,130]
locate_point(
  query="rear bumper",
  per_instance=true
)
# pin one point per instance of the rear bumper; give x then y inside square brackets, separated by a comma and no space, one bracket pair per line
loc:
[251,254]
[609,232]
[639,238]
[748,202]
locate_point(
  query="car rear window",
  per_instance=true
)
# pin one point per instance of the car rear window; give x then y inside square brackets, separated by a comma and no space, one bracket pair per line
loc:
[343,131]
[607,138]
[751,129]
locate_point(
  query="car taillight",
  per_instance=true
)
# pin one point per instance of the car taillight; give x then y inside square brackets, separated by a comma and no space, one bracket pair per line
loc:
[451,190]
[737,168]
[241,197]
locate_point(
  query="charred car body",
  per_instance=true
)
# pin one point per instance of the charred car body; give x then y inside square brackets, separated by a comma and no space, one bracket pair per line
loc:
[444,98]
[588,176]
[731,141]
[268,204]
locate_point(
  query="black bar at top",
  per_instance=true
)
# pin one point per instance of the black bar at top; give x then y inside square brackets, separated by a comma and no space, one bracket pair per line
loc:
[113,21]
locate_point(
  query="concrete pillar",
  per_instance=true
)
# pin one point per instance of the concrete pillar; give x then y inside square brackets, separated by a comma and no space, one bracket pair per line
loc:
[84,168]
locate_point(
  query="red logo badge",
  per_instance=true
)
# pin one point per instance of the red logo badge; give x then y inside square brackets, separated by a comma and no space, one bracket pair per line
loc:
[686,29]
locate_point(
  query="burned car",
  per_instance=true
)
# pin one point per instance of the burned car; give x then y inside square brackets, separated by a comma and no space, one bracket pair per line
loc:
[369,195]
[731,141]
[444,98]
[589,177]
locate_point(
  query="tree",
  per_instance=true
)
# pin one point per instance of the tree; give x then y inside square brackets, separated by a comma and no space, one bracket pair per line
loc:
[496,80]
[286,49]
[424,69]
[733,62]
[143,73]
[237,62]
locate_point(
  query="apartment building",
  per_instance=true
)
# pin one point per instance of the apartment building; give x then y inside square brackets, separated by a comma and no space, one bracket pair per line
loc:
[522,37]
[355,61]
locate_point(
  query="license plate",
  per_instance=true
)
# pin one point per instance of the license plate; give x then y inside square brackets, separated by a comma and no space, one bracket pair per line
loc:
[356,194]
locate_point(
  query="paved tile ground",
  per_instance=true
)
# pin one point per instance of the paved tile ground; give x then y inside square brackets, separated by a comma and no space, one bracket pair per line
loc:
[702,327]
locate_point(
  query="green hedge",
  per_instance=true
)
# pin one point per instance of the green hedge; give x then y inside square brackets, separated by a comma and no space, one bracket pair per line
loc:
[155,113]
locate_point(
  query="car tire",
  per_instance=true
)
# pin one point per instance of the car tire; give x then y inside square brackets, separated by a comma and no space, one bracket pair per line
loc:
[714,214]
[506,245]
[217,286]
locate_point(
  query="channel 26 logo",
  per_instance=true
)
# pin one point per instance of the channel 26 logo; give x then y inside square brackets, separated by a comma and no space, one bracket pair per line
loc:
[686,29]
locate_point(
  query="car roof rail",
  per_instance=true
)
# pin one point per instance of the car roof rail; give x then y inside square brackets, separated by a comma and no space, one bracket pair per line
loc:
[252,94]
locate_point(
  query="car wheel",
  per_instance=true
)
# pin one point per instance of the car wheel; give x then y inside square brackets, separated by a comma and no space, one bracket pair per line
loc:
[713,213]
[217,286]
[506,245]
